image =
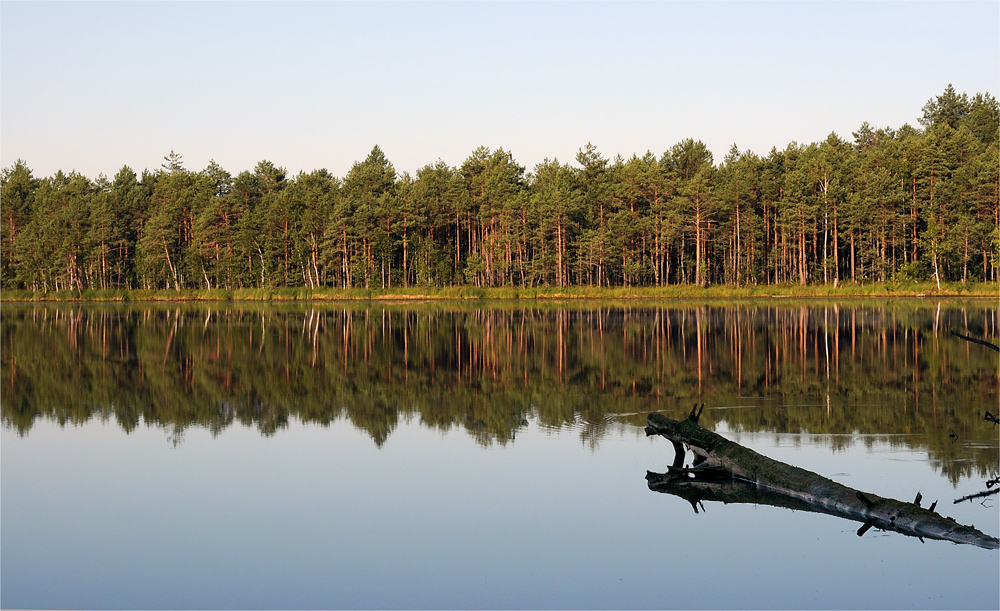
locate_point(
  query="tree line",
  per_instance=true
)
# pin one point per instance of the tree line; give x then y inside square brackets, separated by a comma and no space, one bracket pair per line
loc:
[894,205]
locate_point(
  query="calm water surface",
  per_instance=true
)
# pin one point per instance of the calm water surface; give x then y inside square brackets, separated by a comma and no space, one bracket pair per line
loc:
[452,456]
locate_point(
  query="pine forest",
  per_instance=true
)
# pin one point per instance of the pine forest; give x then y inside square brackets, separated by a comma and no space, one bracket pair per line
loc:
[888,206]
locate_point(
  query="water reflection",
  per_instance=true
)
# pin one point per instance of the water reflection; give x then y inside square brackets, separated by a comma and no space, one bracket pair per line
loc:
[834,368]
[727,472]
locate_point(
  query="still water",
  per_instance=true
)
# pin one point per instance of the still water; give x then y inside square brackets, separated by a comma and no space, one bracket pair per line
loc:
[484,456]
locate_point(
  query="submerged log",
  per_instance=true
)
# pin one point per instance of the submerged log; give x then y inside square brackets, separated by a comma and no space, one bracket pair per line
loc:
[731,473]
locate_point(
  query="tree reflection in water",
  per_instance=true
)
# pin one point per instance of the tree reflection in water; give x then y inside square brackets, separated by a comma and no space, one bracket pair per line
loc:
[839,368]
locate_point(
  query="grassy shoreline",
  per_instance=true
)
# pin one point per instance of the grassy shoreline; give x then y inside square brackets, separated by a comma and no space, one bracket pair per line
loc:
[464,293]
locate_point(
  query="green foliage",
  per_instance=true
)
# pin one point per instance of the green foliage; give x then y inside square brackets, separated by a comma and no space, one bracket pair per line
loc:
[17,189]
[895,206]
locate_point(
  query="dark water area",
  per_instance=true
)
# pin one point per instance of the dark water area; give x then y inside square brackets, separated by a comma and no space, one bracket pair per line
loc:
[463,455]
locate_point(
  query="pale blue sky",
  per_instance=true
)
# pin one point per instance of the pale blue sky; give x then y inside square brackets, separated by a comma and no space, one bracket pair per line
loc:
[94,86]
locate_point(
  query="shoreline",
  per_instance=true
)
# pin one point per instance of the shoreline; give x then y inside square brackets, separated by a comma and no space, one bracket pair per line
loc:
[472,293]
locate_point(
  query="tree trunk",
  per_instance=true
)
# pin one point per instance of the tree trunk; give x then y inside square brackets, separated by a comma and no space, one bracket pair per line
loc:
[738,241]
[173,271]
[559,253]
[853,278]
[802,248]
[697,242]
[934,258]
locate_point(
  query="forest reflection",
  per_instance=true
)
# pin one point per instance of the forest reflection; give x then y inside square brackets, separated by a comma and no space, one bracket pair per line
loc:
[889,372]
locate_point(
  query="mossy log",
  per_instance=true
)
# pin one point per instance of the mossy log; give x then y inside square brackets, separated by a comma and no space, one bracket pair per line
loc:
[728,472]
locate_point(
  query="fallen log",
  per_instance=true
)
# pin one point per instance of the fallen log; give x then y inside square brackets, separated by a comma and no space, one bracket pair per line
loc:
[731,473]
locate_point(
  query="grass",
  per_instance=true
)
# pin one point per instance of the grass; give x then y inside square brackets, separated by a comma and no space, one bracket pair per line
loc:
[463,293]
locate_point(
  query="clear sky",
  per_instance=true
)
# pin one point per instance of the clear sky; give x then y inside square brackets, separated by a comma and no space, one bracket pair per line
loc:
[94,86]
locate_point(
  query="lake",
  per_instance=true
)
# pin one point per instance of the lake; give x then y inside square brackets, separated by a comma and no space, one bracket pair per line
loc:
[487,455]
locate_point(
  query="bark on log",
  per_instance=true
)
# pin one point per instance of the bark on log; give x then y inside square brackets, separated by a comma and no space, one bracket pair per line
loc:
[728,472]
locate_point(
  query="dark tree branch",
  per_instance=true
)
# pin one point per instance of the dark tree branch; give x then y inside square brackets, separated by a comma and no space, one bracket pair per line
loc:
[977,495]
[695,414]
[977,341]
